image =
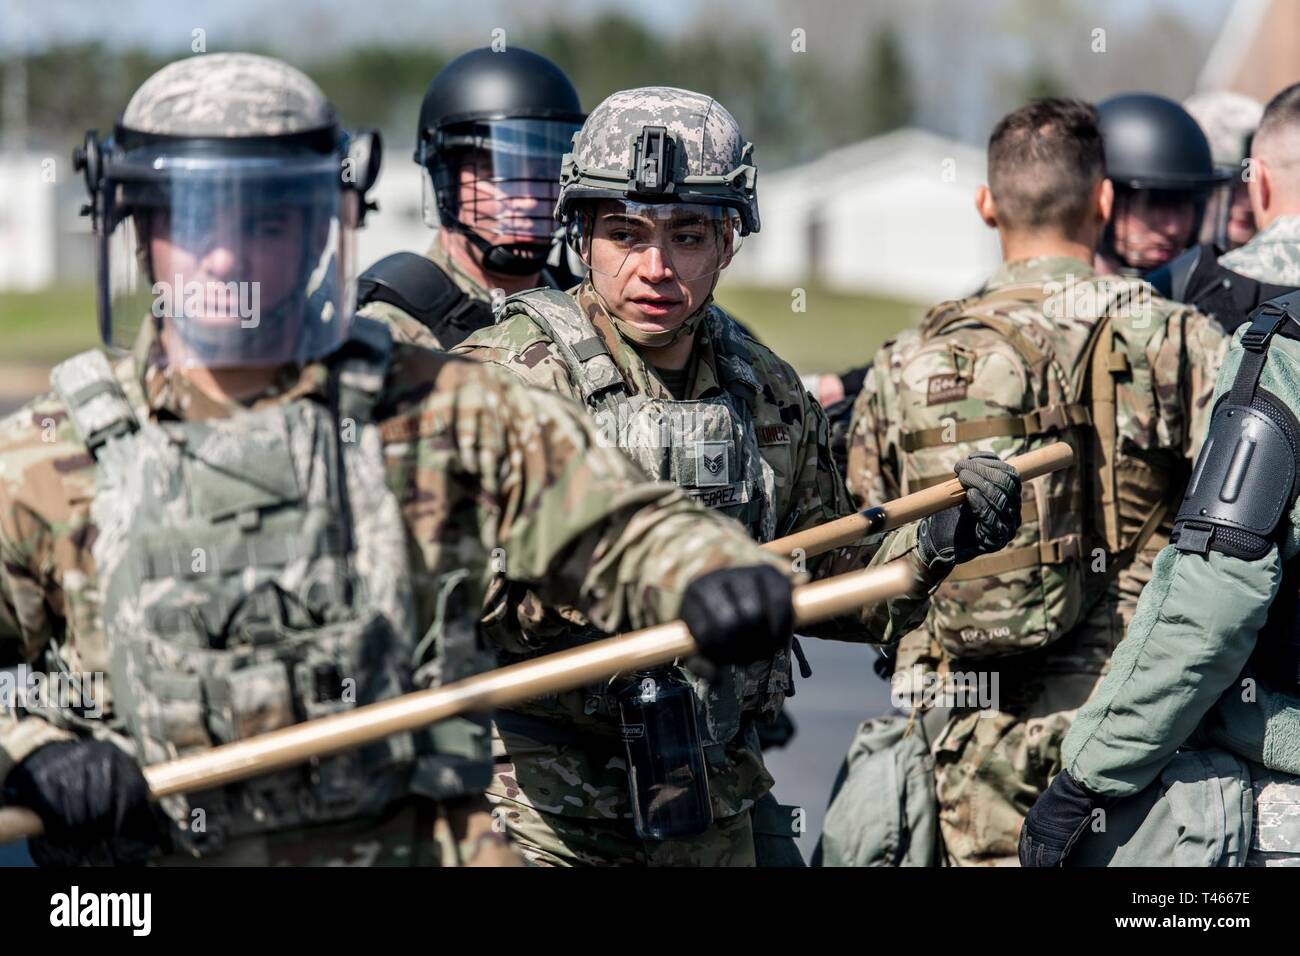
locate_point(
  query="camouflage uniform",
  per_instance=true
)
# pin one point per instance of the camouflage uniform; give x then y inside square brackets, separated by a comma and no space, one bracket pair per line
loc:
[1272,255]
[990,767]
[561,777]
[455,474]
[567,802]
[476,463]
[407,328]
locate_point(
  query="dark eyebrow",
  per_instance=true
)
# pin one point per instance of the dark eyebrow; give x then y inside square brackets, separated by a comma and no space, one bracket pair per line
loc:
[624,218]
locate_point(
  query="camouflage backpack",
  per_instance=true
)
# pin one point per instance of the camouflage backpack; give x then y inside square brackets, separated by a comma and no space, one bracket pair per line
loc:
[987,377]
[253,574]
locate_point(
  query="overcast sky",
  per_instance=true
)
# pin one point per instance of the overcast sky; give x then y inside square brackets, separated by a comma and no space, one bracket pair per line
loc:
[292,25]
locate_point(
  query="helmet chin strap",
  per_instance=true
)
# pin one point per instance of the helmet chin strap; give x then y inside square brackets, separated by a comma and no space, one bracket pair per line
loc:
[511,259]
[664,338]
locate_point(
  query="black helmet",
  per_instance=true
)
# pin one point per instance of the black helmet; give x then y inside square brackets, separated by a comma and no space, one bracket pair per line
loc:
[494,127]
[1156,154]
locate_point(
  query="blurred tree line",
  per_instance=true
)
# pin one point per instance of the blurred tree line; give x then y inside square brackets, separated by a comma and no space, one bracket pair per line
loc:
[792,106]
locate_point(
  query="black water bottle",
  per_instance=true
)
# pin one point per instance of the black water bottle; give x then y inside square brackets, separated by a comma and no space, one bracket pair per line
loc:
[665,759]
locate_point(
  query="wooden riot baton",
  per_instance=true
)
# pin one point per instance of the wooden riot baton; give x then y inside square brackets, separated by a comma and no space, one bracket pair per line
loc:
[482,693]
[853,528]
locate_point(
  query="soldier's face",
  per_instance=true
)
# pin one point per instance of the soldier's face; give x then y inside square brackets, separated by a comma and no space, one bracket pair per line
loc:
[1151,228]
[655,272]
[254,254]
[1241,218]
[504,212]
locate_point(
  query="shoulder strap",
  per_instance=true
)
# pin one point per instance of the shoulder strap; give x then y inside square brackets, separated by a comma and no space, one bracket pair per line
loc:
[734,356]
[1102,366]
[986,310]
[1264,323]
[558,315]
[420,288]
[362,367]
[96,403]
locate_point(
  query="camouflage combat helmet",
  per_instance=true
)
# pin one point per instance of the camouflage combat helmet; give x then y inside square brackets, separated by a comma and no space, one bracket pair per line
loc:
[1229,121]
[659,144]
[228,94]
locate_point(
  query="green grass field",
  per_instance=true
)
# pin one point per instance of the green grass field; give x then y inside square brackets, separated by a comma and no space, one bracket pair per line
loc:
[835,332]
[39,328]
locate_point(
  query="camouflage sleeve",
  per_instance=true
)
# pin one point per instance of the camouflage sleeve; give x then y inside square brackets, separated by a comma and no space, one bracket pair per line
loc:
[872,473]
[522,349]
[820,496]
[29,597]
[578,523]
[1184,363]
[404,327]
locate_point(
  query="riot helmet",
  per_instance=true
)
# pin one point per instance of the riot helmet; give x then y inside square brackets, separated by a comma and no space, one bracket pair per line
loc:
[1159,161]
[224,206]
[493,128]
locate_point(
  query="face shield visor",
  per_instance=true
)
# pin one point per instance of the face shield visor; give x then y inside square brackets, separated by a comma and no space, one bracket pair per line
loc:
[497,178]
[239,260]
[1148,226]
[1229,220]
[685,241]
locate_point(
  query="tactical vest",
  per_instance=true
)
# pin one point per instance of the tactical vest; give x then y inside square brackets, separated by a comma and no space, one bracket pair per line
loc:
[982,379]
[708,447]
[253,574]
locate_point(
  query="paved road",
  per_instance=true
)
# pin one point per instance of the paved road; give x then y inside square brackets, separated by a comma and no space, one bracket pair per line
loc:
[827,708]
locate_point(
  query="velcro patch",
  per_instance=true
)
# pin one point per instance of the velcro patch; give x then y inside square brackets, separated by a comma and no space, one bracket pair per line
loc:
[773,434]
[941,389]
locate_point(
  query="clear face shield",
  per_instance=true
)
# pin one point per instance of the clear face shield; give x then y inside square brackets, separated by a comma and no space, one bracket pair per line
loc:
[685,241]
[241,261]
[502,179]
[1148,227]
[1229,220]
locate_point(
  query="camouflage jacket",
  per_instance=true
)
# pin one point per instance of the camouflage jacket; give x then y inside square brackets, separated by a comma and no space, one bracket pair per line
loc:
[1272,255]
[406,328]
[793,439]
[491,479]
[1163,410]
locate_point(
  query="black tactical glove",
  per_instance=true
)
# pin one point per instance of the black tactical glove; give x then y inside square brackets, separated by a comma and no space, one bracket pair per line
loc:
[739,615]
[94,802]
[985,522]
[1056,822]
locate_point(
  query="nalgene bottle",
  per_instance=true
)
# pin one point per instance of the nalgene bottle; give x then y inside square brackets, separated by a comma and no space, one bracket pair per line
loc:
[665,759]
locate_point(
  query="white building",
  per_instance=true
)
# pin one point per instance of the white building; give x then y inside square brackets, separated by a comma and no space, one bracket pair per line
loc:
[891,216]
[398,226]
[28,221]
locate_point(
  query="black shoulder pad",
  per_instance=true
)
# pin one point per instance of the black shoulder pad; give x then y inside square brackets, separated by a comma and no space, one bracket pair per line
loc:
[1244,480]
[422,290]
[1173,279]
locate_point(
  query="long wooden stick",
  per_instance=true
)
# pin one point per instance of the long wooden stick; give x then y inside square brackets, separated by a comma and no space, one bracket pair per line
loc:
[482,693]
[853,528]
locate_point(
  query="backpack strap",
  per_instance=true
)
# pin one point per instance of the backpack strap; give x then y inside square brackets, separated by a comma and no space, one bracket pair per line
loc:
[96,402]
[584,352]
[986,310]
[362,367]
[1055,551]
